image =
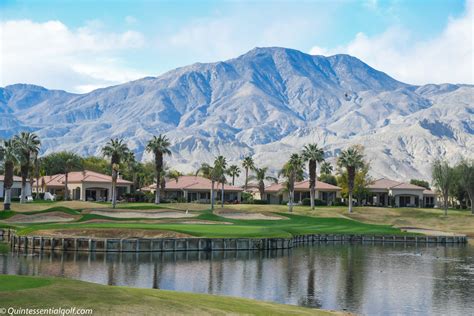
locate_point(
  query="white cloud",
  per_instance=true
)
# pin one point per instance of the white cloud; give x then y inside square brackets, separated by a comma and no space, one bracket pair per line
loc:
[55,56]
[448,57]
[223,36]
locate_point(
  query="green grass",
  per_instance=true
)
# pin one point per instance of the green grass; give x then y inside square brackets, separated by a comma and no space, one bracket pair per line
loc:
[62,209]
[285,228]
[35,292]
[4,248]
[6,214]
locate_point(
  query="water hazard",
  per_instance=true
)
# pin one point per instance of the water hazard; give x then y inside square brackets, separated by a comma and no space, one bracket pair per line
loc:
[365,279]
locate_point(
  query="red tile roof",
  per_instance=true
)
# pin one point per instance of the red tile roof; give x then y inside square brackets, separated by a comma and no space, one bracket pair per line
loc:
[303,186]
[386,184]
[15,178]
[79,177]
[193,183]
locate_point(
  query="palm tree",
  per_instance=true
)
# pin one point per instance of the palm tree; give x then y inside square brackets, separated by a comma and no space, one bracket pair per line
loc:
[326,168]
[168,174]
[248,164]
[233,171]
[65,162]
[116,150]
[209,172]
[261,176]
[466,179]
[28,146]
[352,159]
[9,155]
[293,171]
[220,165]
[443,178]
[159,146]
[133,167]
[314,155]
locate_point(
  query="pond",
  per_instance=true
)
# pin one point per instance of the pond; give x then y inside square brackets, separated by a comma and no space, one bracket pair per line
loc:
[364,279]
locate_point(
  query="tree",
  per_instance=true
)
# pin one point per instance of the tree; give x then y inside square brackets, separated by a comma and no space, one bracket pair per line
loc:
[420,183]
[116,150]
[466,179]
[361,181]
[220,165]
[326,168]
[328,178]
[351,159]
[168,174]
[65,162]
[159,146]
[261,176]
[443,179]
[28,146]
[97,164]
[213,173]
[233,171]
[313,155]
[9,156]
[293,172]
[248,164]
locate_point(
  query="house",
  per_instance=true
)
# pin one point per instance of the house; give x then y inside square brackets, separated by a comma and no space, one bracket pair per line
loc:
[16,188]
[385,192]
[196,189]
[274,194]
[83,185]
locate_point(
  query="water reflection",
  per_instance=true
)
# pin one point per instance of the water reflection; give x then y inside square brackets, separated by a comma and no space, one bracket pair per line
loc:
[365,279]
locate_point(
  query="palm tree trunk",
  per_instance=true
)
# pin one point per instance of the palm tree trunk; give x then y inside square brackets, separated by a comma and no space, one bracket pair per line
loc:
[222,195]
[350,201]
[290,202]
[158,189]
[233,180]
[23,190]
[114,186]
[246,178]
[7,200]
[312,193]
[446,205]
[37,188]
[66,191]
[212,195]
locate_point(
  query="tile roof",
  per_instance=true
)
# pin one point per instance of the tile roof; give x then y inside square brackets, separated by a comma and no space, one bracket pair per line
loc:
[15,178]
[428,192]
[79,177]
[192,183]
[303,186]
[383,184]
[386,184]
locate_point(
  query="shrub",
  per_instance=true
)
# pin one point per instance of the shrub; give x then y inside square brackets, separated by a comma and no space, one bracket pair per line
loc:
[339,202]
[59,198]
[247,198]
[284,203]
[317,202]
[260,202]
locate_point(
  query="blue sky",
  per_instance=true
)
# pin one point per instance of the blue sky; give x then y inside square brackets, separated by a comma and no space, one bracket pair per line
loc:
[82,45]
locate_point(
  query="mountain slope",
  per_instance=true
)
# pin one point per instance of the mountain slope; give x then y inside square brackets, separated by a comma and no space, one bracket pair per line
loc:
[267,103]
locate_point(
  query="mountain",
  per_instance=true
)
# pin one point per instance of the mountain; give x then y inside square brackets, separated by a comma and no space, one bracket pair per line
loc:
[266,103]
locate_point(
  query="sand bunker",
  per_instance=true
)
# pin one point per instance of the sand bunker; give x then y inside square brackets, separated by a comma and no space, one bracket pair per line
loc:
[109,233]
[143,214]
[42,218]
[243,215]
[428,232]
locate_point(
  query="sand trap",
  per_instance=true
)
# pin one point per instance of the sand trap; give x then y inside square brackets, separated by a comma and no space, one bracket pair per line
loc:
[143,214]
[42,218]
[242,215]
[428,232]
[109,233]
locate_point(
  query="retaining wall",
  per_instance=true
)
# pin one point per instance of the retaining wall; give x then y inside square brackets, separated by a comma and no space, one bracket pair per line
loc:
[202,244]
